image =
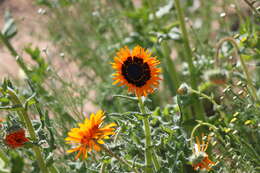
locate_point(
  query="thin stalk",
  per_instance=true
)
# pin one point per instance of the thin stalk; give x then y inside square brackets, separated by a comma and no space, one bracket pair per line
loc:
[170,66]
[152,7]
[148,139]
[117,157]
[196,127]
[222,114]
[174,76]
[23,113]
[4,157]
[207,15]
[149,157]
[103,168]
[13,52]
[23,66]
[251,87]
[155,161]
[193,73]
[53,169]
[251,5]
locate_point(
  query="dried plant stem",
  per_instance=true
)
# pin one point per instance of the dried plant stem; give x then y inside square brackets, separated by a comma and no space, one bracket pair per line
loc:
[251,87]
[117,157]
[251,5]
[193,74]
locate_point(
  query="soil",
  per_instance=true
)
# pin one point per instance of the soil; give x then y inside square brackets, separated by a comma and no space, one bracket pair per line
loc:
[30,31]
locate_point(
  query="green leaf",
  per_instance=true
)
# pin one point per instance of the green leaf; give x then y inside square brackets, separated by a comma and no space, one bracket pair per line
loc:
[4,100]
[12,108]
[17,163]
[164,10]
[34,53]
[2,167]
[9,29]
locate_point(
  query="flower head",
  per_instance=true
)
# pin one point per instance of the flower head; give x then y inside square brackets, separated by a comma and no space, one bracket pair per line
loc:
[217,76]
[199,158]
[90,134]
[16,138]
[137,70]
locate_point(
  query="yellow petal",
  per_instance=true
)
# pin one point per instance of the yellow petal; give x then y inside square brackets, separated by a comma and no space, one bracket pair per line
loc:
[73,150]
[100,141]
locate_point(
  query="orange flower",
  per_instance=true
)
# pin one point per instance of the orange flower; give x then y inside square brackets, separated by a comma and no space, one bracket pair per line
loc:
[16,138]
[90,135]
[199,158]
[137,70]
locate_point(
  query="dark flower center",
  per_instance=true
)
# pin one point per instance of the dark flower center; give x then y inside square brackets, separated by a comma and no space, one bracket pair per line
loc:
[19,140]
[136,71]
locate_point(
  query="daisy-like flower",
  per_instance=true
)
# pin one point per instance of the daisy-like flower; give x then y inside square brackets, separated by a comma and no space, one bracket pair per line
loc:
[200,159]
[16,138]
[89,135]
[137,70]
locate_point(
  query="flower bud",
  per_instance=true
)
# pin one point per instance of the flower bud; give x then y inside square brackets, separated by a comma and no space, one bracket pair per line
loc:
[15,137]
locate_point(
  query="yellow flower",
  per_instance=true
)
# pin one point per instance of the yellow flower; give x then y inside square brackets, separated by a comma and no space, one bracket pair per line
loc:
[200,159]
[137,70]
[90,134]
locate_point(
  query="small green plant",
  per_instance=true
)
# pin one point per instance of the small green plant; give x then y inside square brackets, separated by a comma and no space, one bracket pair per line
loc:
[187,95]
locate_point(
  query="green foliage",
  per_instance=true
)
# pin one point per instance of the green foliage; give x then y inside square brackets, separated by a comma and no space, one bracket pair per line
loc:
[9,30]
[88,34]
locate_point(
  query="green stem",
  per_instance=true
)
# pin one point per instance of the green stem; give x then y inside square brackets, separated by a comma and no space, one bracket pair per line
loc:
[4,157]
[222,114]
[117,157]
[251,87]
[148,139]
[152,7]
[24,115]
[103,168]
[149,157]
[23,66]
[155,161]
[170,66]
[53,169]
[196,127]
[193,73]
[174,76]
[14,53]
